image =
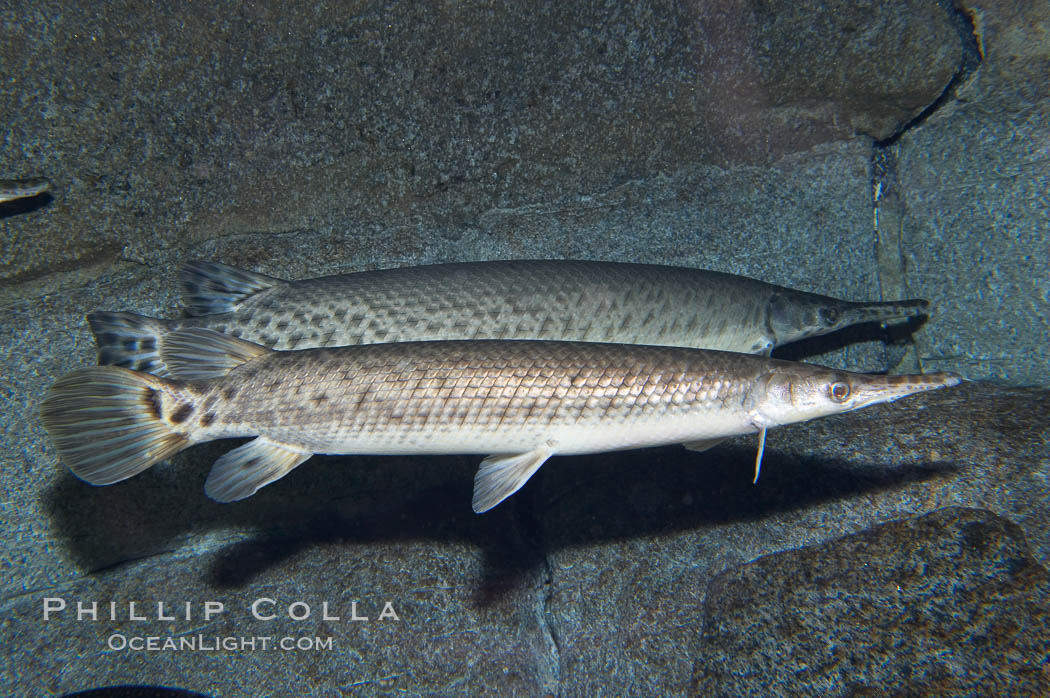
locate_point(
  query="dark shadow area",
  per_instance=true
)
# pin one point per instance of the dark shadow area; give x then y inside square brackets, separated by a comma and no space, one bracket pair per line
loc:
[135,692]
[18,207]
[676,490]
[900,334]
[573,501]
[895,333]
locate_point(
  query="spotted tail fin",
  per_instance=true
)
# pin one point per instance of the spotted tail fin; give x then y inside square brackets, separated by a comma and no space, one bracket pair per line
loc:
[130,341]
[107,423]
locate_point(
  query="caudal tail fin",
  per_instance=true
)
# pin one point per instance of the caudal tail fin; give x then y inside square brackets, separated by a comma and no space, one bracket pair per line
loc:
[130,341]
[107,423]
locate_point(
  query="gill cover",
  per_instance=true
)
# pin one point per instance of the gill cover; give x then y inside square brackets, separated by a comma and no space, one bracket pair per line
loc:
[769,390]
[767,400]
[792,318]
[786,397]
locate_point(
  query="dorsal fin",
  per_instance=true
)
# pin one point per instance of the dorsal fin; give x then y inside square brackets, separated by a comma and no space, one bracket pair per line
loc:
[197,353]
[210,287]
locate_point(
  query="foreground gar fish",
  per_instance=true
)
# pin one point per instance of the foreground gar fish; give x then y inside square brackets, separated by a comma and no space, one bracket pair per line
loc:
[538,299]
[11,189]
[522,401]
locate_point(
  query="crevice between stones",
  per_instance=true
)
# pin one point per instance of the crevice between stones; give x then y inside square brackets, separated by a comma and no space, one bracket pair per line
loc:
[888,204]
[901,355]
[971,59]
[549,632]
[531,526]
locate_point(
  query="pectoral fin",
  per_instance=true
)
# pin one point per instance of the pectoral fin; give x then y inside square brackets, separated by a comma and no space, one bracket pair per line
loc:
[502,475]
[761,450]
[241,472]
[703,444]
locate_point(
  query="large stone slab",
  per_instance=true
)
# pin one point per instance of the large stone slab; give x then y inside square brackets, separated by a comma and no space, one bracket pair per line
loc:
[166,128]
[974,179]
[948,603]
[303,613]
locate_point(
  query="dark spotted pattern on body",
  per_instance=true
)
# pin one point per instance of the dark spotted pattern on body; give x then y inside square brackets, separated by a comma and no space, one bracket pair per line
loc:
[562,300]
[181,413]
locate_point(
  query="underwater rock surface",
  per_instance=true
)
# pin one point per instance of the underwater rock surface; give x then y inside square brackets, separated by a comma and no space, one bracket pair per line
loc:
[951,602]
[974,178]
[300,139]
[168,129]
[634,545]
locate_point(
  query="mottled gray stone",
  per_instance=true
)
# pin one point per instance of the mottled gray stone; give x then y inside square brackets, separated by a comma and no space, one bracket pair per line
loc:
[302,139]
[821,72]
[461,627]
[951,603]
[183,124]
[974,181]
[651,530]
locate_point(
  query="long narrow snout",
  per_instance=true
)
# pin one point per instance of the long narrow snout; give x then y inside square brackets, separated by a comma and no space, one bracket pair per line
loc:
[871,389]
[794,316]
[886,311]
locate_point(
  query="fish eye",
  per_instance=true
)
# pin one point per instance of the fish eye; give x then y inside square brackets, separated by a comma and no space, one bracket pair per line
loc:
[838,391]
[829,315]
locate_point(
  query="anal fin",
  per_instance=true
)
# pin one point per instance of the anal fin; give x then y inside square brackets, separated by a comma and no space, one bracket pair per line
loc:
[244,470]
[703,444]
[502,475]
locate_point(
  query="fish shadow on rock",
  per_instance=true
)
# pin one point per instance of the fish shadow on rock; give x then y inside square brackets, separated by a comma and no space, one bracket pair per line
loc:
[575,501]
[328,499]
[890,335]
[441,514]
[675,490]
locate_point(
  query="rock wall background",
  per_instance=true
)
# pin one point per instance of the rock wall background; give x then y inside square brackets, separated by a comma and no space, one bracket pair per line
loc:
[859,149]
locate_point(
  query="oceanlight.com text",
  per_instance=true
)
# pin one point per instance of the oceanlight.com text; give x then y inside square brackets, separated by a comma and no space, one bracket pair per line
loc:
[118,642]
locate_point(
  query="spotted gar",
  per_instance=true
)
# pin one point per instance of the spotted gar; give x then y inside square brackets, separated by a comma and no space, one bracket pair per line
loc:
[539,299]
[518,401]
[11,189]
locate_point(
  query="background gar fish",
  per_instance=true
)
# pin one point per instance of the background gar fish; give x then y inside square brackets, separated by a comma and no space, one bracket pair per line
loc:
[521,401]
[539,299]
